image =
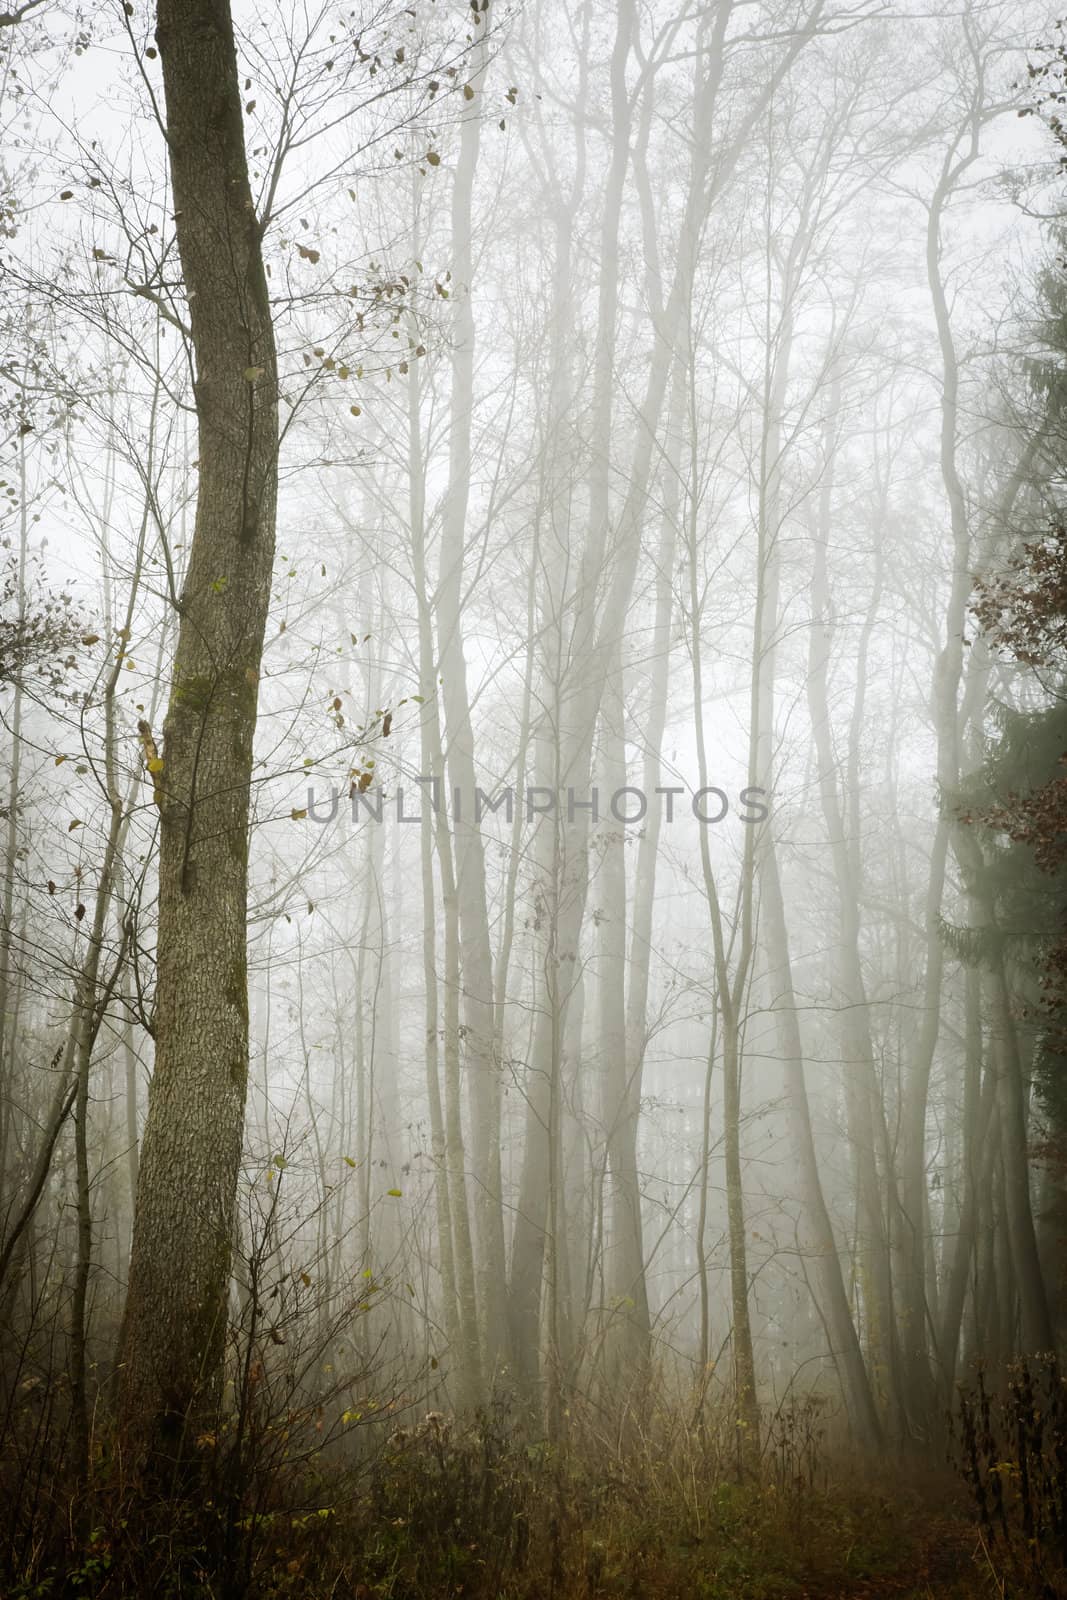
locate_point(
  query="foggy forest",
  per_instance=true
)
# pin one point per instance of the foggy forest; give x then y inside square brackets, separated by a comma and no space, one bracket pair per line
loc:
[533,881]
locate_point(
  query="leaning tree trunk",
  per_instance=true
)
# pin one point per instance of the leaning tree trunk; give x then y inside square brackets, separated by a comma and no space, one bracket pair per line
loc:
[174,1328]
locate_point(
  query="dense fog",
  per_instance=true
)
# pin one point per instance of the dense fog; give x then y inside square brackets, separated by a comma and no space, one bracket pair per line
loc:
[541,525]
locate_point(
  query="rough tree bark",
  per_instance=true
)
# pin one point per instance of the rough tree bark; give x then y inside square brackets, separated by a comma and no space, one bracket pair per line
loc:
[175,1319]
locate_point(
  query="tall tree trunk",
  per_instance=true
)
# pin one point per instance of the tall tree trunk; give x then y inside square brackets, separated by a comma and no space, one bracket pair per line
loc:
[977,1112]
[817,1226]
[598,629]
[562,885]
[862,1089]
[91,999]
[12,803]
[625,1266]
[477,966]
[947,726]
[457,1262]
[175,1320]
[1036,1330]
[625,1063]
[731,990]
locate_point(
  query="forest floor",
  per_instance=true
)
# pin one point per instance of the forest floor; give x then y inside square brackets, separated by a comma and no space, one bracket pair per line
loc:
[842,1540]
[905,1552]
[851,1536]
[466,1516]
[945,1561]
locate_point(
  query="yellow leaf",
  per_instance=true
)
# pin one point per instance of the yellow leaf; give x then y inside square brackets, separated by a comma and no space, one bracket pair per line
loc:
[397,1192]
[297,814]
[156,764]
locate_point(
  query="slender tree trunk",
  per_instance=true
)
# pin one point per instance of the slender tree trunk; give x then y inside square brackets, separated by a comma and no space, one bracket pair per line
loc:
[625,1065]
[625,1266]
[599,628]
[477,966]
[845,1346]
[731,985]
[945,698]
[1036,1330]
[457,1263]
[862,1089]
[977,1112]
[12,806]
[562,875]
[702,1212]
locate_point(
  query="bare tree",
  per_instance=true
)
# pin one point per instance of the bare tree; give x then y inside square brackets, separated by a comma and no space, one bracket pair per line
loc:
[184,1221]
